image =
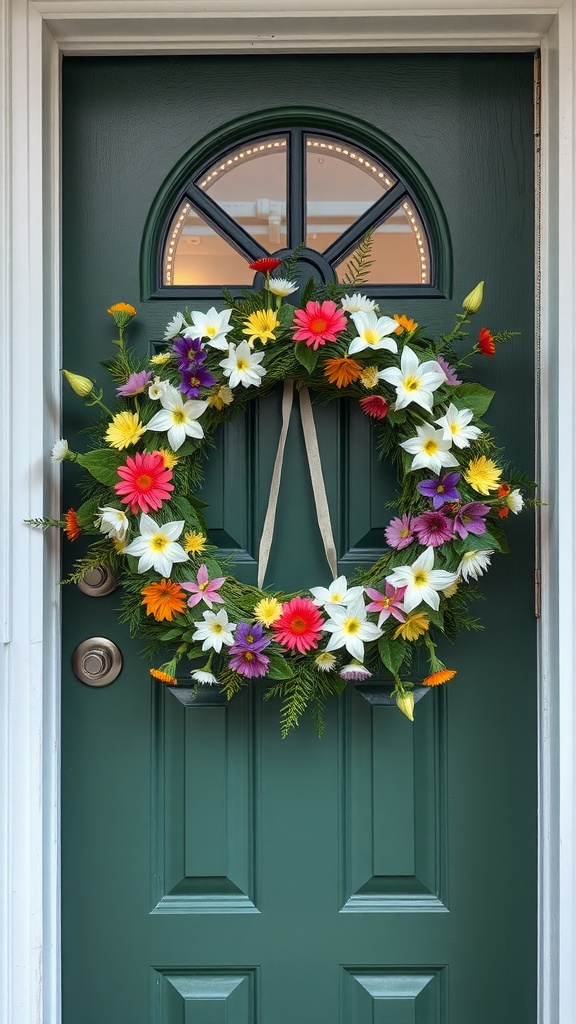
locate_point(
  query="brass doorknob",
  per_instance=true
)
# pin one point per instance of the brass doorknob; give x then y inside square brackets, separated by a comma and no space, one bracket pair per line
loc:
[98,582]
[97,661]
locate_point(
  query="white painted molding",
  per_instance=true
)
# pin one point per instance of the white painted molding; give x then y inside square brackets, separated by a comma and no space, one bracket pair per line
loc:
[31,37]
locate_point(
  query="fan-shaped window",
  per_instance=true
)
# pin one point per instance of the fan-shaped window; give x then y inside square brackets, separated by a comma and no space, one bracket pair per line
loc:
[278,190]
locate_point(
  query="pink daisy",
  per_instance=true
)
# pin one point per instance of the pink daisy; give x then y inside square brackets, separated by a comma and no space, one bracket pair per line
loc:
[299,626]
[145,482]
[433,529]
[204,589]
[389,603]
[400,532]
[318,323]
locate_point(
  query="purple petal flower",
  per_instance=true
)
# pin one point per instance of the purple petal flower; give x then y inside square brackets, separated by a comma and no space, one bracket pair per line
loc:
[135,384]
[440,489]
[355,671]
[204,589]
[400,533]
[189,350]
[249,663]
[449,373]
[470,519]
[249,638]
[194,378]
[433,529]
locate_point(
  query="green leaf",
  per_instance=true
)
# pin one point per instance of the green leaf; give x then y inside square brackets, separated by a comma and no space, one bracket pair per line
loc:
[305,355]
[102,464]
[286,315]
[172,634]
[87,513]
[391,653]
[472,396]
[483,542]
[279,668]
[309,291]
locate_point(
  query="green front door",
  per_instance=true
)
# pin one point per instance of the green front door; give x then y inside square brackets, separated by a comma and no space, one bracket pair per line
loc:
[213,872]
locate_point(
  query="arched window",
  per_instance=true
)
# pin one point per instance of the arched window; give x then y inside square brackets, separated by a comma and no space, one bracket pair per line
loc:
[295,184]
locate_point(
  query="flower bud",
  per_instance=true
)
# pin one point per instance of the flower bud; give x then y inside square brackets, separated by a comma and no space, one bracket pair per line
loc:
[473,301]
[405,701]
[81,385]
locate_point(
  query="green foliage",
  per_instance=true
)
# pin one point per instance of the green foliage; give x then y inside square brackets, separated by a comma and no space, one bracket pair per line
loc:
[358,268]
[103,464]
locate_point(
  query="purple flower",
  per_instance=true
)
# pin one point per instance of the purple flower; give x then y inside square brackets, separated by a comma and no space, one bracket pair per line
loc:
[440,489]
[249,638]
[470,519]
[135,384]
[389,603]
[194,378]
[355,671]
[400,532]
[204,589]
[433,529]
[449,373]
[249,663]
[188,351]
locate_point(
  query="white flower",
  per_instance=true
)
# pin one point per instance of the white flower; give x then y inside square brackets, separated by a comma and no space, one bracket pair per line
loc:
[281,286]
[349,628]
[373,332]
[515,501]
[113,522]
[205,678]
[324,661]
[156,546]
[455,427]
[355,671]
[60,450]
[178,417]
[358,303]
[212,325]
[158,388]
[474,564]
[337,593]
[242,366]
[422,581]
[414,381]
[429,449]
[215,630]
[174,327]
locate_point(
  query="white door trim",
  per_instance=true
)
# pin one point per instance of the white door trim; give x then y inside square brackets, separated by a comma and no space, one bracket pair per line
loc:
[32,36]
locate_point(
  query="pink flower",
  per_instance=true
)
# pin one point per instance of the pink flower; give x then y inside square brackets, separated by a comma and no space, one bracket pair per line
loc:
[300,625]
[433,529]
[389,603]
[375,406]
[204,589]
[318,323]
[449,373]
[135,384]
[400,532]
[145,482]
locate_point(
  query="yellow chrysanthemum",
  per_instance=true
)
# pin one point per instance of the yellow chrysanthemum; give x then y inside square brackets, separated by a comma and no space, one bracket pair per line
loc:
[122,307]
[405,323]
[369,377]
[413,627]
[160,359]
[194,542]
[268,610]
[119,545]
[261,325]
[451,589]
[170,459]
[483,474]
[220,397]
[124,430]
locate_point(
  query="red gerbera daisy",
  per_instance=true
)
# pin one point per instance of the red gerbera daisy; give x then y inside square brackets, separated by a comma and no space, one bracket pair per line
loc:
[486,342]
[299,626]
[375,406]
[145,482]
[265,265]
[72,527]
[318,323]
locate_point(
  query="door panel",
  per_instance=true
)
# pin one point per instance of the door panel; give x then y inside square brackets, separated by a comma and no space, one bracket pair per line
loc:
[211,871]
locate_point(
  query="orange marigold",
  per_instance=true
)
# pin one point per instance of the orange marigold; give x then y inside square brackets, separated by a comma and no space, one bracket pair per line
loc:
[72,527]
[122,307]
[164,600]
[437,678]
[405,323]
[342,371]
[163,677]
[503,512]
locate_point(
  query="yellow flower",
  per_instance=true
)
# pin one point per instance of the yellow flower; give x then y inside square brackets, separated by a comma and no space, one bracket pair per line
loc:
[221,397]
[413,627]
[483,474]
[325,661]
[124,430]
[405,701]
[81,385]
[473,301]
[170,459]
[194,542]
[261,326]
[268,610]
[160,359]
[119,545]
[405,323]
[451,589]
[369,376]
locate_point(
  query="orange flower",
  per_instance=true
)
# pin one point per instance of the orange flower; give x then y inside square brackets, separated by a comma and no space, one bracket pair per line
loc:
[486,342]
[342,371]
[72,528]
[163,600]
[122,307]
[439,677]
[503,512]
[163,677]
[503,491]
[404,323]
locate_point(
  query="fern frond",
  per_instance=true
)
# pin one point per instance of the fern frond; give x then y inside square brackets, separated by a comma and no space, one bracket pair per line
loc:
[358,268]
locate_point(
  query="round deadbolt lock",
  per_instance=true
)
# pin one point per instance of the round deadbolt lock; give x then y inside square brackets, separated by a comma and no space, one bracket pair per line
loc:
[97,661]
[98,582]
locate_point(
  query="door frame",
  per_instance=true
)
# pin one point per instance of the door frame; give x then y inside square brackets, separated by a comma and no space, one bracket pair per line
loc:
[33,36]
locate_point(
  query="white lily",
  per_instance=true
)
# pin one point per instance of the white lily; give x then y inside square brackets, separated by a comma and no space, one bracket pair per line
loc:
[474,564]
[178,417]
[358,303]
[241,366]
[373,332]
[113,522]
[414,381]
[156,546]
[337,593]
[174,326]
[212,325]
[349,628]
[429,449]
[455,427]
[422,581]
[215,631]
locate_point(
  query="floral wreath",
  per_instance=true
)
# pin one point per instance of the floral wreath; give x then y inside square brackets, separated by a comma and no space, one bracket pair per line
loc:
[140,476]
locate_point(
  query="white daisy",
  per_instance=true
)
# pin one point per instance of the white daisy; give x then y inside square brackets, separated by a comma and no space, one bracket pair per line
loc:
[178,417]
[204,677]
[429,449]
[337,593]
[422,581]
[156,546]
[215,630]
[474,564]
[325,661]
[515,501]
[281,286]
[174,327]
[60,450]
[414,381]
[241,366]
[349,628]
[212,325]
[455,427]
[373,332]
[358,303]
[113,522]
